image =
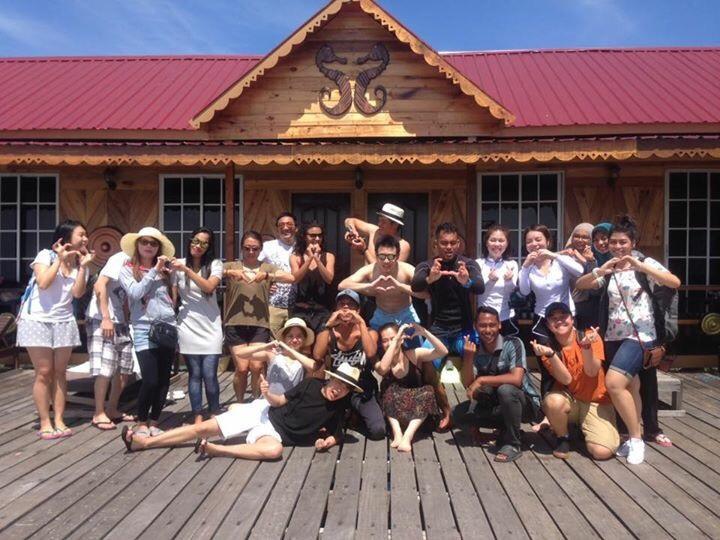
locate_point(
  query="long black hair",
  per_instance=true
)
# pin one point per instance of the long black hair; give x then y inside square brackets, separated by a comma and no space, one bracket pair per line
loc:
[207,258]
[64,230]
[301,244]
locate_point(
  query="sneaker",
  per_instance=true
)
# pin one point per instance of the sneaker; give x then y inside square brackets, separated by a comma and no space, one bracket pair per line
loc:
[636,455]
[623,450]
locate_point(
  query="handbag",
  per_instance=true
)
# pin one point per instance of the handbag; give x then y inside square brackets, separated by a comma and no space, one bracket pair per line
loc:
[163,334]
[653,357]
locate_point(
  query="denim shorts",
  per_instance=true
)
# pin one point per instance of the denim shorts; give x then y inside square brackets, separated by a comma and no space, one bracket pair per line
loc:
[454,341]
[626,356]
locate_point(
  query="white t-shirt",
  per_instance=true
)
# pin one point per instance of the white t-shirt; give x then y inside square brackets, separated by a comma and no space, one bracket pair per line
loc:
[497,293]
[278,253]
[54,304]
[638,301]
[199,323]
[116,294]
[283,373]
[554,287]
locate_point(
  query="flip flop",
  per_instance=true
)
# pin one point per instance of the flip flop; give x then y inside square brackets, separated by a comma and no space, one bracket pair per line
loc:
[123,436]
[662,440]
[124,418]
[47,434]
[200,446]
[63,433]
[507,454]
[104,426]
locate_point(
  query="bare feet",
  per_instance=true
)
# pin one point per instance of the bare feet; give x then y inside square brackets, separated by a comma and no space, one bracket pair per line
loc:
[537,428]
[395,443]
[445,422]
[404,446]
[211,449]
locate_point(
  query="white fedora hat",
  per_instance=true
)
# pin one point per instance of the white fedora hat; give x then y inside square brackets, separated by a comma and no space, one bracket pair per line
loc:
[393,213]
[127,242]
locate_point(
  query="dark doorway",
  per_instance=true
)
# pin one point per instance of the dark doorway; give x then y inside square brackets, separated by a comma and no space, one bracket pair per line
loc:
[416,226]
[329,209]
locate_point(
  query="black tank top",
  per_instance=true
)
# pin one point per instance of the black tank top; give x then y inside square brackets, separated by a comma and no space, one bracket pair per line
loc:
[313,289]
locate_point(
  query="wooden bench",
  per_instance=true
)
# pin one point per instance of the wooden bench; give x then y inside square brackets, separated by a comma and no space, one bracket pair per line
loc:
[668,383]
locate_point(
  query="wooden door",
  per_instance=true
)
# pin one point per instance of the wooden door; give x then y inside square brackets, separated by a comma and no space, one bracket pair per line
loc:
[329,209]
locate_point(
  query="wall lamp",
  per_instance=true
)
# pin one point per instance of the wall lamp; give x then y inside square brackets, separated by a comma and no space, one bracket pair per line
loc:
[109,177]
[359,178]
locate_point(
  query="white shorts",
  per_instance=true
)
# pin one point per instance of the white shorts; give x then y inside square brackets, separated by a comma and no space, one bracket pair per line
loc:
[251,418]
[47,334]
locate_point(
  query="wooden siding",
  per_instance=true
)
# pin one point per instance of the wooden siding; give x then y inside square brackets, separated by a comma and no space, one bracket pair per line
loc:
[283,103]
[639,191]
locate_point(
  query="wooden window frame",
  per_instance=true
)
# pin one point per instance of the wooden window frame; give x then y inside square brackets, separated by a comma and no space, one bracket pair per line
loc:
[220,242]
[18,259]
[560,206]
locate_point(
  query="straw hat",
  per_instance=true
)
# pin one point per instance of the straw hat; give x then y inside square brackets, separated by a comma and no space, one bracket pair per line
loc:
[348,374]
[127,242]
[294,322]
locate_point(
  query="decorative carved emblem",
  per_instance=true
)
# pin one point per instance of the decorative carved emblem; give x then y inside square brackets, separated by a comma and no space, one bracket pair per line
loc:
[326,55]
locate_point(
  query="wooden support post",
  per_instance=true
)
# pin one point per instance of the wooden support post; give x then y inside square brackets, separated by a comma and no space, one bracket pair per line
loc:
[471,249]
[230,212]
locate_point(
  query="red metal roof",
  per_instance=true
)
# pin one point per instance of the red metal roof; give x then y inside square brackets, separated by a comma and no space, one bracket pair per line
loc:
[600,86]
[542,88]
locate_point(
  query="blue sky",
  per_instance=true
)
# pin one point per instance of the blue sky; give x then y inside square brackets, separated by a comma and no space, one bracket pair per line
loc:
[124,27]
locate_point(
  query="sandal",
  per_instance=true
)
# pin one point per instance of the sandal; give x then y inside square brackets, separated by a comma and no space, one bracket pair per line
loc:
[507,454]
[47,434]
[124,437]
[200,447]
[63,433]
[124,418]
[104,426]
[662,440]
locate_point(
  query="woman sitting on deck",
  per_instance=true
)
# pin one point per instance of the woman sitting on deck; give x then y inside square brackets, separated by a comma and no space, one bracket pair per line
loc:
[405,400]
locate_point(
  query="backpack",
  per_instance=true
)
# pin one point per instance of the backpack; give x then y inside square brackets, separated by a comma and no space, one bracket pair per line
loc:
[664,303]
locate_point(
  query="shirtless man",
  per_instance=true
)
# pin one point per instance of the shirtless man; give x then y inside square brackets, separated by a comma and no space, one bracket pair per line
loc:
[389,222]
[388,280]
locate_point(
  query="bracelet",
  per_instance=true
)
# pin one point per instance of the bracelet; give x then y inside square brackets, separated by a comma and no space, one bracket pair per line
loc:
[468,284]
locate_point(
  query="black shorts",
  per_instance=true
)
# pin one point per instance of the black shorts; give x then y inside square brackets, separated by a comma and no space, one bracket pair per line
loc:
[242,335]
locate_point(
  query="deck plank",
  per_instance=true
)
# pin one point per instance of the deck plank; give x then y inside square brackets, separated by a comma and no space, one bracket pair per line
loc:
[310,510]
[405,521]
[434,498]
[469,514]
[272,524]
[374,499]
[343,502]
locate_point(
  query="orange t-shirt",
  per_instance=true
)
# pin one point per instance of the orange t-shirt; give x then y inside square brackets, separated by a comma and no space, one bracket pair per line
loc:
[583,387]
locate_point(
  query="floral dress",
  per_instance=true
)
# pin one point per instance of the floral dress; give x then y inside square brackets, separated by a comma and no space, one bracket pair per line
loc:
[407,398]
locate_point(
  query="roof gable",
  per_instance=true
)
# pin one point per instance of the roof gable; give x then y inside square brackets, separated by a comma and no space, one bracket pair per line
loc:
[316,23]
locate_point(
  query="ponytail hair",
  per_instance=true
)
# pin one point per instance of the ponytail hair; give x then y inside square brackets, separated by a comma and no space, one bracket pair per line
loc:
[625,224]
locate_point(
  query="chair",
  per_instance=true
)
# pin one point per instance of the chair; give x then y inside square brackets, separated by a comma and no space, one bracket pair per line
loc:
[7,339]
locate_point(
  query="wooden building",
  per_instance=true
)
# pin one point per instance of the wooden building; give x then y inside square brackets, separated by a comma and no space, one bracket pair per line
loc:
[353,110]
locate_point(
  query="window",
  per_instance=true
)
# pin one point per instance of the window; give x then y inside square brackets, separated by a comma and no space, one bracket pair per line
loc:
[518,200]
[189,202]
[693,233]
[28,217]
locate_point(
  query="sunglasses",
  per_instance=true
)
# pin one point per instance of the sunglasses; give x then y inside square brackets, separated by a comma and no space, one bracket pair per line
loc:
[148,242]
[251,249]
[198,242]
[314,235]
[386,257]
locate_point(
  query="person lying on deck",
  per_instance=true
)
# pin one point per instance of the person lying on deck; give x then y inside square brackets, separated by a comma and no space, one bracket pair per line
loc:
[498,385]
[310,413]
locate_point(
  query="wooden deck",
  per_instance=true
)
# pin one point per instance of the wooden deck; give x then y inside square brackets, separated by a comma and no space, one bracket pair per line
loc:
[87,486]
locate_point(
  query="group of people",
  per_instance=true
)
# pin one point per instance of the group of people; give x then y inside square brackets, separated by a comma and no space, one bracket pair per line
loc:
[319,350]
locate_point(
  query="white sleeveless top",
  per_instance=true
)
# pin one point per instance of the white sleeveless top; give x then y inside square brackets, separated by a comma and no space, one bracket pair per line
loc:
[283,373]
